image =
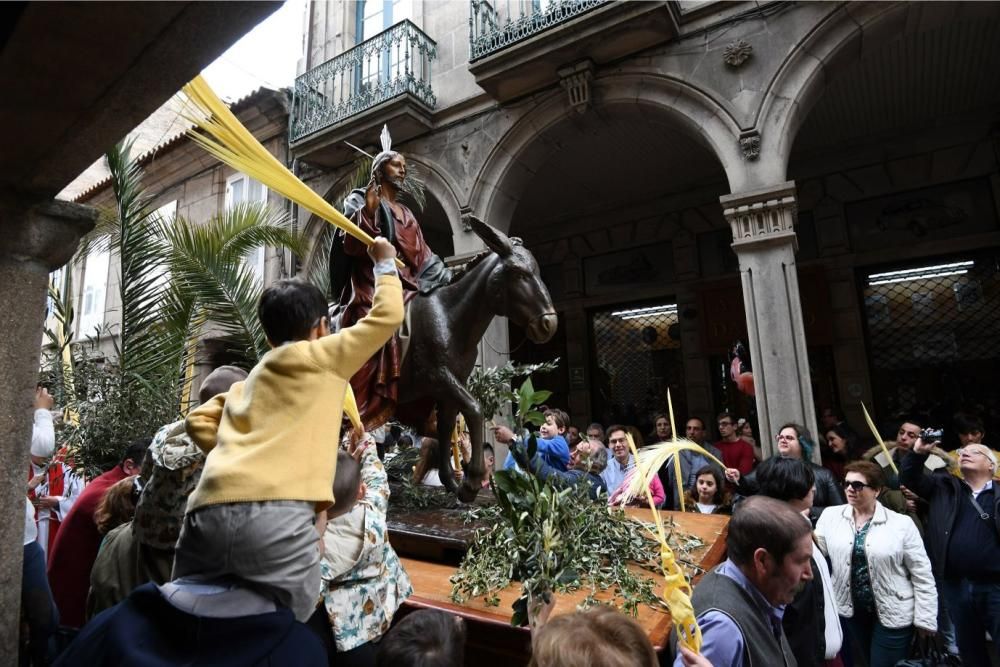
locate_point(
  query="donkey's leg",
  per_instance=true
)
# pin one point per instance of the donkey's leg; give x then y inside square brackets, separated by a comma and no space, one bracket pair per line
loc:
[446,413]
[475,471]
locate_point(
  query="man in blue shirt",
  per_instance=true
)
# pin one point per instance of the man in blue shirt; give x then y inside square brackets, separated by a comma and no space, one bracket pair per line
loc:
[740,604]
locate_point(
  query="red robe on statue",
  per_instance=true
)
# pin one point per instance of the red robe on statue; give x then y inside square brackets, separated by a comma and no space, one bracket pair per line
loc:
[376,385]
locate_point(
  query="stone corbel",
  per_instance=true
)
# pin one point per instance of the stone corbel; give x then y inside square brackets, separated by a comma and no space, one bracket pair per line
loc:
[750,145]
[575,80]
[465,212]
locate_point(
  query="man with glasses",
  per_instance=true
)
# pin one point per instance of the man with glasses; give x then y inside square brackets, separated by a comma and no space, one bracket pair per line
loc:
[963,541]
[621,462]
[736,452]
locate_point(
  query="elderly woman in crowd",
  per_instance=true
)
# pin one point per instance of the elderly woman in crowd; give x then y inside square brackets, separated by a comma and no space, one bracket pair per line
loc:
[795,442]
[881,574]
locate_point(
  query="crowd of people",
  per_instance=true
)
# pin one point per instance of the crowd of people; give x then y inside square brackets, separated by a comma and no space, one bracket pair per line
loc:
[233,530]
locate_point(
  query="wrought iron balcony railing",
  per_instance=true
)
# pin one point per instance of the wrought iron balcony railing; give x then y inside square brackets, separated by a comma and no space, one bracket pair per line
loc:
[391,63]
[496,24]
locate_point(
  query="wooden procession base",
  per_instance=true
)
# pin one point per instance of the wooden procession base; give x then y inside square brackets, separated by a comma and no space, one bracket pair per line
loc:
[490,638]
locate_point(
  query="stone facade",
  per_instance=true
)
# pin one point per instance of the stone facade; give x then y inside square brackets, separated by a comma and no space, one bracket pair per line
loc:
[673,144]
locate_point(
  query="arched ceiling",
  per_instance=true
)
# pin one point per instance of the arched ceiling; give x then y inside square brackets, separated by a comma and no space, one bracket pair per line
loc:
[613,157]
[914,83]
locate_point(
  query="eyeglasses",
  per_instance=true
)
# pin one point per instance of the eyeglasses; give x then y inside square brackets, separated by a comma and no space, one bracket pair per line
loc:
[721,424]
[969,451]
[857,486]
[786,438]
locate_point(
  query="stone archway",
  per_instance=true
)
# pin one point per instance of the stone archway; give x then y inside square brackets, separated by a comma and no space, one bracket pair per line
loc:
[848,34]
[631,182]
[513,162]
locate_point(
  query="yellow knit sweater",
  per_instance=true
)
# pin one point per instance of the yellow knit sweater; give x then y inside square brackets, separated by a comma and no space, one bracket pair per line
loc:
[275,436]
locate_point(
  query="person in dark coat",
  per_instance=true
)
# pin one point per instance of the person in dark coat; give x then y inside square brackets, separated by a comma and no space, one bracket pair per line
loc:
[175,625]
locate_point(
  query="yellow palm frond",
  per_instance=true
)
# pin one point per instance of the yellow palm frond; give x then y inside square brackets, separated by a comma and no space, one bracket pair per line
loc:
[649,460]
[220,133]
[676,588]
[878,438]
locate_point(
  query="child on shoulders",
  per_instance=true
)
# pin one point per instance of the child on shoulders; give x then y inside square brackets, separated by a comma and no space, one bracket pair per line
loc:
[271,444]
[552,445]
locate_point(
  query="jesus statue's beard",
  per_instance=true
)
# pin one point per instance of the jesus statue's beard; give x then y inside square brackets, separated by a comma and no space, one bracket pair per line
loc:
[398,183]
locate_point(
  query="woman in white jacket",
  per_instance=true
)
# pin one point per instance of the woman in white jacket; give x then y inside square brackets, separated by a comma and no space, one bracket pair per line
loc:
[881,574]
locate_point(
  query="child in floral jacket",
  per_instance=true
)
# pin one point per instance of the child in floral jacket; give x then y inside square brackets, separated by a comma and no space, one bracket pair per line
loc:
[364,582]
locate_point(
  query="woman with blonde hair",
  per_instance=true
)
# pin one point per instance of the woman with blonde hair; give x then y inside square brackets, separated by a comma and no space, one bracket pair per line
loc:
[599,637]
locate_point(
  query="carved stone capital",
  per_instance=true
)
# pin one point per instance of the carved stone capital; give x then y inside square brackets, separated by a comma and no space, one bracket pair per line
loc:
[762,217]
[575,80]
[46,233]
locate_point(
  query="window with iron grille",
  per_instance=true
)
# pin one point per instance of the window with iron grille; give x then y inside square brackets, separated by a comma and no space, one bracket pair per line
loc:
[636,357]
[933,333]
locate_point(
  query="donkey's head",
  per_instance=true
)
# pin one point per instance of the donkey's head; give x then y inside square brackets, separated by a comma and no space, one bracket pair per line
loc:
[515,285]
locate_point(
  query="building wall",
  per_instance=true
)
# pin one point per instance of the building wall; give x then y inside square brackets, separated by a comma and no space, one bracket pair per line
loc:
[816,70]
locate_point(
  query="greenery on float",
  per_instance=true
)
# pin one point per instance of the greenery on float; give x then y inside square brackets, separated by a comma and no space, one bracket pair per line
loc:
[556,540]
[492,388]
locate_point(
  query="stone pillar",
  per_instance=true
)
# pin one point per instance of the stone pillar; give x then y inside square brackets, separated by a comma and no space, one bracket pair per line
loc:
[36,240]
[764,239]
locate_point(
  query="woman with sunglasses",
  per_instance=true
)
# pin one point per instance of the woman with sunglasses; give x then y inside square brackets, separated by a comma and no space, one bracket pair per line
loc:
[881,574]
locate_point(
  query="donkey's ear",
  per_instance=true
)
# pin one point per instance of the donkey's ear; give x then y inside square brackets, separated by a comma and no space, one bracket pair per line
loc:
[494,239]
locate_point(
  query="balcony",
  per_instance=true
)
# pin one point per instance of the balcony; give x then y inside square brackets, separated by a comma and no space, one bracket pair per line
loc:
[519,46]
[385,79]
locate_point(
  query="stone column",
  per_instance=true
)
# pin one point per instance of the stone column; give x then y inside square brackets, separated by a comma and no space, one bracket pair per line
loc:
[764,239]
[35,241]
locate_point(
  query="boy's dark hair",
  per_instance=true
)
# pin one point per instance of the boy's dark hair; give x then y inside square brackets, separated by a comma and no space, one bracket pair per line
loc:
[558,416]
[404,442]
[219,381]
[136,450]
[785,478]
[487,447]
[424,638]
[965,424]
[289,308]
[346,483]
[764,523]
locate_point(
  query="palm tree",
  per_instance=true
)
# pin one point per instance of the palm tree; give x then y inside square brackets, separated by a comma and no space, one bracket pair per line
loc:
[178,280]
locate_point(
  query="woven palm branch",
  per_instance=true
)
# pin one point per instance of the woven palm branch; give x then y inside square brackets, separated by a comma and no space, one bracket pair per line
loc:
[676,588]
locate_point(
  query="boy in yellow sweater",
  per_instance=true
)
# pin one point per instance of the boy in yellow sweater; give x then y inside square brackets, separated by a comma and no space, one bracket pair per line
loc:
[271,445]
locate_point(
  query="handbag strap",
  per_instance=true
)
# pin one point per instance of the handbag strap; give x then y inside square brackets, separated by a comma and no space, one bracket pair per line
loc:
[983,514]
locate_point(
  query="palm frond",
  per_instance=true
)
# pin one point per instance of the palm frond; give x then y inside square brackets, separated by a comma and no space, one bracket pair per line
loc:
[138,244]
[650,459]
[315,268]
